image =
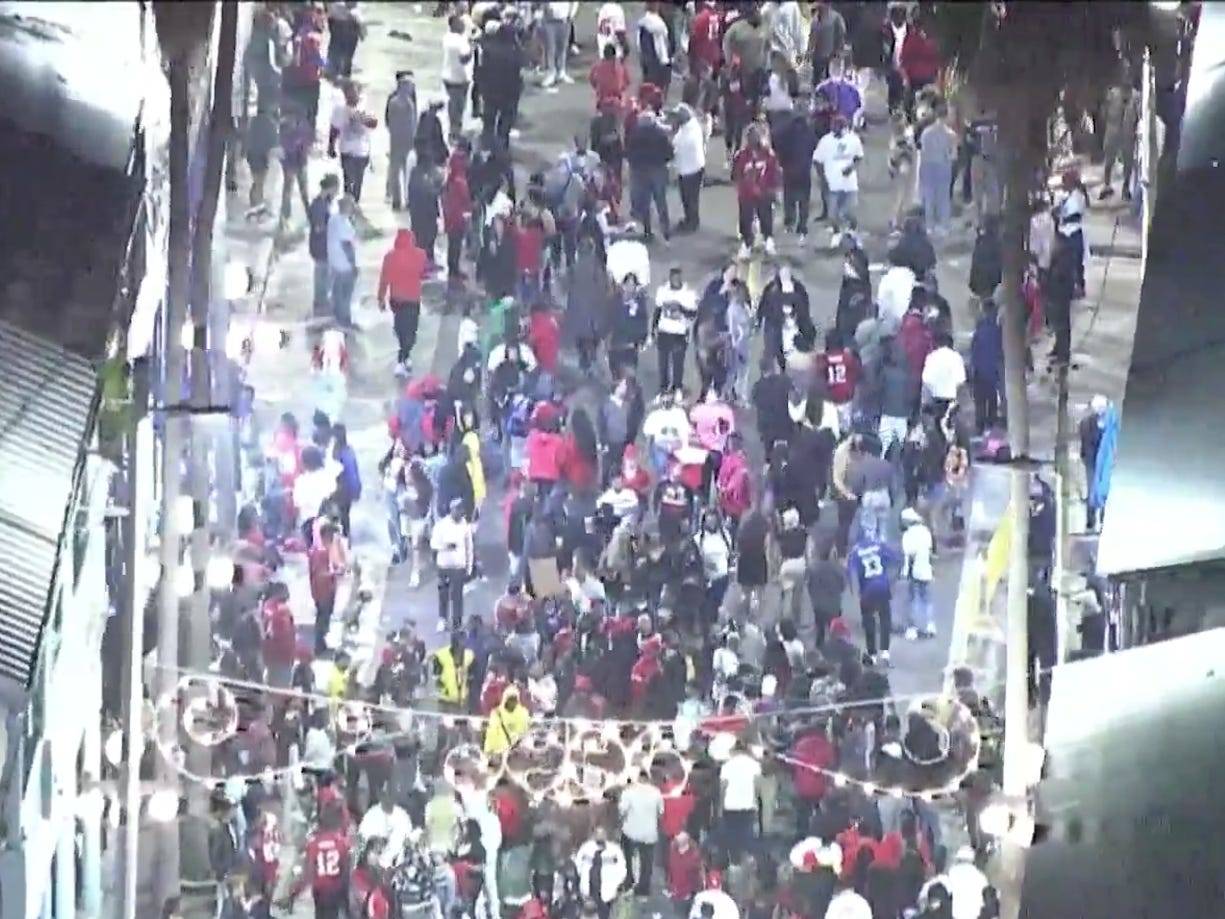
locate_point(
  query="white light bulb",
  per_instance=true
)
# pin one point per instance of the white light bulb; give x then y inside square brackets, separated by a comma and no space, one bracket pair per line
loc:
[869,788]
[839,780]
[163,806]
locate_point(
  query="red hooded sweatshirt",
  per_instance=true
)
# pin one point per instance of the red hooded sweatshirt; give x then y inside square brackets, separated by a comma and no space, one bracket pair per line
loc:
[644,671]
[756,173]
[684,871]
[706,37]
[920,59]
[280,634]
[403,269]
[577,467]
[916,340]
[456,202]
[610,79]
[635,477]
[811,750]
[678,807]
[544,336]
[545,452]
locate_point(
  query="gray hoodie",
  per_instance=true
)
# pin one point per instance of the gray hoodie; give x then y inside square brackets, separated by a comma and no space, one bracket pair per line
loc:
[401,116]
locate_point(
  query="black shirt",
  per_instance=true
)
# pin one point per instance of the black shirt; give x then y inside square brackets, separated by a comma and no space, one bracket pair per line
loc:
[317,215]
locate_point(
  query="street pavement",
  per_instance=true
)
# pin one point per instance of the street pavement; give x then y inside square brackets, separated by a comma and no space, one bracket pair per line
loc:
[1101,337]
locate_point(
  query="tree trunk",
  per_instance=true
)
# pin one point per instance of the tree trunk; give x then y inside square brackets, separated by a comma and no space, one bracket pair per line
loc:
[178,286]
[1018,184]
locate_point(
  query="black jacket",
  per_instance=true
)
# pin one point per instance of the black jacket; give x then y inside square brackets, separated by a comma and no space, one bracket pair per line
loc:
[770,314]
[647,146]
[630,329]
[915,251]
[770,400]
[796,143]
[499,70]
[986,265]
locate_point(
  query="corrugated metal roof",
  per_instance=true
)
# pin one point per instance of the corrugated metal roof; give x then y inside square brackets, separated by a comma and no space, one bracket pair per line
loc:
[47,401]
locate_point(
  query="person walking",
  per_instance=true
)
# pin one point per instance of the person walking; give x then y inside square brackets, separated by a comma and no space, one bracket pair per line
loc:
[555,24]
[648,150]
[827,36]
[456,65]
[350,136]
[400,290]
[499,80]
[400,116]
[323,581]
[839,154]
[452,541]
[296,139]
[689,156]
[676,308]
[424,186]
[640,808]
[342,260]
[918,548]
[318,215]
[797,143]
[937,153]
[868,564]
[457,209]
[757,175]
[655,48]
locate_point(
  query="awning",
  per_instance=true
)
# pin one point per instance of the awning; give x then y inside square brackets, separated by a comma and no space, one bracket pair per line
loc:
[1132,827]
[48,401]
[1166,505]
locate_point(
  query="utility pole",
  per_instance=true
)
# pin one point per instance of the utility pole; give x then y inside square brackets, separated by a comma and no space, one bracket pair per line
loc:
[1063,502]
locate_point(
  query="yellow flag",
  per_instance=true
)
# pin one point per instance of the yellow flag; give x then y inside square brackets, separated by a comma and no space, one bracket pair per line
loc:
[998,551]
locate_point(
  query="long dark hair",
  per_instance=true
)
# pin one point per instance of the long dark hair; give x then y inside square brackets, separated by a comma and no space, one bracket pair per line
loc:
[584,434]
[340,440]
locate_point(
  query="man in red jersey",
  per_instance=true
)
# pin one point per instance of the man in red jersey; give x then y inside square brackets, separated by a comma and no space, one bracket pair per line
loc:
[842,371]
[757,175]
[326,869]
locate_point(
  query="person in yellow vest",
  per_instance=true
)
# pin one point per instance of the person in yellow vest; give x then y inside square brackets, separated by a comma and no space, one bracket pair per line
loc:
[452,665]
[507,723]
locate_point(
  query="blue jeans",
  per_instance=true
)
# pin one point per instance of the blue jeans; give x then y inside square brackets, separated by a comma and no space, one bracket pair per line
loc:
[647,185]
[874,509]
[935,180]
[323,287]
[920,604]
[842,209]
[556,45]
[343,283]
[394,530]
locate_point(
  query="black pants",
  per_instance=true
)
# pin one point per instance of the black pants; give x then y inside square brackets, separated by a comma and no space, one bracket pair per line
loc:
[986,403]
[354,170]
[797,196]
[323,621]
[455,250]
[671,352]
[896,88]
[451,596]
[329,907]
[877,619]
[620,357]
[425,228]
[639,875]
[691,193]
[405,315]
[733,128]
[499,119]
[763,211]
[306,95]
[846,516]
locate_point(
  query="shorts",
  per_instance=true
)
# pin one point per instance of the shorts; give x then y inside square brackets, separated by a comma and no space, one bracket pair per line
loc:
[416,530]
[791,573]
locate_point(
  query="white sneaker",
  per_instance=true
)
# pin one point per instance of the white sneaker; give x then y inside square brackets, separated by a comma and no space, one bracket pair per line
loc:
[566,78]
[769,245]
[912,634]
[515,134]
[548,81]
[883,657]
[835,239]
[442,626]
[744,252]
[803,240]
[930,631]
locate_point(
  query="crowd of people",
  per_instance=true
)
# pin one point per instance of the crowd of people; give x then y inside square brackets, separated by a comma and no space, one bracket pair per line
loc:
[817,470]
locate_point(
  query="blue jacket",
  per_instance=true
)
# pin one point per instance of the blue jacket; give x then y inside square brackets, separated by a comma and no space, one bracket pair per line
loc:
[349,475]
[987,350]
[1099,488]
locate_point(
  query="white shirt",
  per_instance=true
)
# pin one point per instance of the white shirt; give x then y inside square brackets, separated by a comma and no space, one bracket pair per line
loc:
[611,19]
[917,550]
[668,426]
[847,904]
[394,827]
[944,373]
[689,147]
[654,26]
[318,751]
[623,502]
[1073,206]
[894,292]
[899,38]
[640,807]
[497,354]
[452,541]
[469,333]
[586,592]
[834,154]
[612,869]
[716,554]
[740,774]
[456,55]
[354,139]
[966,884]
[778,99]
[1042,237]
[677,309]
[340,231]
[725,906]
[311,489]
[725,663]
